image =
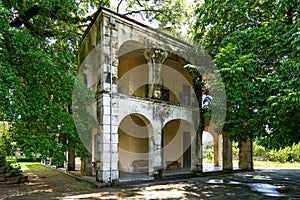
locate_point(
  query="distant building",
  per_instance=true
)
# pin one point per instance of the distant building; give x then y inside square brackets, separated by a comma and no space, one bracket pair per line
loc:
[19,152]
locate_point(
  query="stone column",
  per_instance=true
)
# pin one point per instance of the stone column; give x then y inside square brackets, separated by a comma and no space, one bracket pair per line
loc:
[155,150]
[245,155]
[155,58]
[227,153]
[86,168]
[198,152]
[220,156]
[197,144]
[216,150]
[107,168]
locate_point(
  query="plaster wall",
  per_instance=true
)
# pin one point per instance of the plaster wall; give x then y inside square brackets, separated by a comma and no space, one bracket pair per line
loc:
[102,55]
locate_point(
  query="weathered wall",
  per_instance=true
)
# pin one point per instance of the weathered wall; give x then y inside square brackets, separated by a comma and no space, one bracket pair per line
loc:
[103,54]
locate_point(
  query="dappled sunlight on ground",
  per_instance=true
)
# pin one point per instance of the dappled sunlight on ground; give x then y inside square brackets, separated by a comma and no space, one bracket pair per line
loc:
[262,184]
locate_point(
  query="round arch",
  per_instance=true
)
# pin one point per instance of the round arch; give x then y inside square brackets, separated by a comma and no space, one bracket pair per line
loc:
[134,132]
[185,117]
[177,144]
[212,149]
[129,46]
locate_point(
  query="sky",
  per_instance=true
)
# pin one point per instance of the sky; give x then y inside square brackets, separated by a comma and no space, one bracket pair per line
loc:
[122,10]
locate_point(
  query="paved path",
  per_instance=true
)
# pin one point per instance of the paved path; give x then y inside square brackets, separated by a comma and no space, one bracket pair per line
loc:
[261,184]
[44,183]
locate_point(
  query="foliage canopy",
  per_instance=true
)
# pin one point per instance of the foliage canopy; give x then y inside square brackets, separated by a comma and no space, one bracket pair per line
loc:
[256,47]
[38,43]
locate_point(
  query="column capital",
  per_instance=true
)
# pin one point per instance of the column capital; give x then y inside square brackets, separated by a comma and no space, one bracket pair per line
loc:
[154,55]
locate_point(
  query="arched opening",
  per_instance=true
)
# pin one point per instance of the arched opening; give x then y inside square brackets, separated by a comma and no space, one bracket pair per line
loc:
[132,70]
[212,151]
[176,146]
[133,146]
[162,77]
[208,150]
[235,155]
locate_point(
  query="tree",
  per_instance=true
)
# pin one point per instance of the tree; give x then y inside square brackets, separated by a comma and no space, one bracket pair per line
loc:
[6,142]
[255,45]
[169,16]
[38,42]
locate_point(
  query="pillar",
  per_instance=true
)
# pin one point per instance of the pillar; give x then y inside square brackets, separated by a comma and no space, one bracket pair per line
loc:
[86,168]
[220,156]
[199,152]
[107,140]
[216,149]
[107,106]
[245,155]
[155,151]
[155,58]
[227,153]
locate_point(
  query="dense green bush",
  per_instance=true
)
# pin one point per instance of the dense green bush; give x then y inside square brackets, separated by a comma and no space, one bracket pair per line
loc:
[9,167]
[2,157]
[208,151]
[259,150]
[13,168]
[235,150]
[2,161]
[287,154]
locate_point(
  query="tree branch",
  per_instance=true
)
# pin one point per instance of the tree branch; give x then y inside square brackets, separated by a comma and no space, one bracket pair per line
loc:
[290,14]
[143,10]
[142,16]
[28,14]
[119,4]
[139,3]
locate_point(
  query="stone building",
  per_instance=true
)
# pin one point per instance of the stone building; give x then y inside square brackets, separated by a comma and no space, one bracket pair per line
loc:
[146,109]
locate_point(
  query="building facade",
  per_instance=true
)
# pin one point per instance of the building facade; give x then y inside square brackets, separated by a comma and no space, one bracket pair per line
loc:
[145,109]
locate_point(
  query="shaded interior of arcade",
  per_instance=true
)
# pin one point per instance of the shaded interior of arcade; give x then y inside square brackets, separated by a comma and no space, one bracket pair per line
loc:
[134,146]
[161,77]
[176,145]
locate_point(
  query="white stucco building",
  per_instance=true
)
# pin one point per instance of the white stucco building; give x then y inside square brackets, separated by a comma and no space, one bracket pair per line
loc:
[146,109]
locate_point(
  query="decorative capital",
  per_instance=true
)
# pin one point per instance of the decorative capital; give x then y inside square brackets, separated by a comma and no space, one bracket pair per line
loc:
[154,55]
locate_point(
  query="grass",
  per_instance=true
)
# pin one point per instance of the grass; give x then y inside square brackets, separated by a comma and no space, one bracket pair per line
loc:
[270,164]
[30,166]
[265,164]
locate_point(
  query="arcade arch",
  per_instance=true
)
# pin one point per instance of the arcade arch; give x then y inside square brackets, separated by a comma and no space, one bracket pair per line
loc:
[212,150]
[177,137]
[134,132]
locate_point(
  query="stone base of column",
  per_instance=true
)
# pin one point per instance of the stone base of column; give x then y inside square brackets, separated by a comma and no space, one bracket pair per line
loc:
[198,169]
[107,176]
[157,173]
[86,168]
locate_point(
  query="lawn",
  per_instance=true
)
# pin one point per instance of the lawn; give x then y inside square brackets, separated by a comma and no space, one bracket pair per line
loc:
[265,164]
[270,164]
[30,166]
